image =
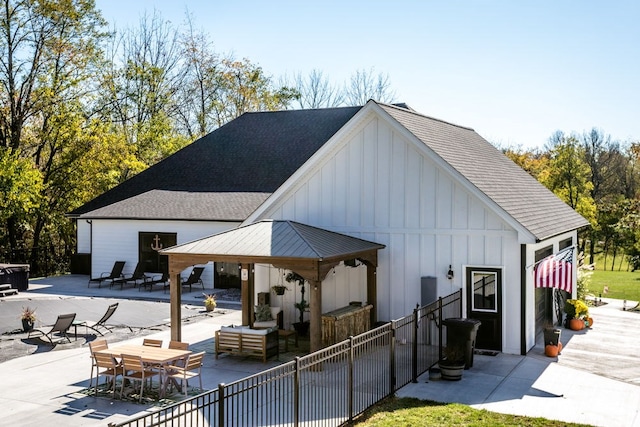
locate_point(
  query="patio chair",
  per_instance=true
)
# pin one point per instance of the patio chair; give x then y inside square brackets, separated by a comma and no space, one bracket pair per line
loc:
[95,346]
[58,330]
[178,345]
[116,273]
[152,343]
[194,278]
[110,368]
[137,277]
[192,368]
[134,369]
[155,280]
[100,323]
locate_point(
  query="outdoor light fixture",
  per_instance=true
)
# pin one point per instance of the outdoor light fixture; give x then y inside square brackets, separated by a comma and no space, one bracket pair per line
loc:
[450,273]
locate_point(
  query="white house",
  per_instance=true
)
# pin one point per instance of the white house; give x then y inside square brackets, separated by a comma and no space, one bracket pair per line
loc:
[438,196]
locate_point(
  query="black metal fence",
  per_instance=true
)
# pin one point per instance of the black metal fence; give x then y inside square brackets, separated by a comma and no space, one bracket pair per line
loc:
[326,388]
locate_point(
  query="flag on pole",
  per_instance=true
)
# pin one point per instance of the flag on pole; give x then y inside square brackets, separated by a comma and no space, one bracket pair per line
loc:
[555,271]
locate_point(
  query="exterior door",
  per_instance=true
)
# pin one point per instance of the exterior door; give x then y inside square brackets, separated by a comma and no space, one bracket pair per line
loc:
[484,302]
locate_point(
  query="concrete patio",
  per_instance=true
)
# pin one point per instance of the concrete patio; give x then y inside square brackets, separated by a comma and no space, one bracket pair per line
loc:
[596,379]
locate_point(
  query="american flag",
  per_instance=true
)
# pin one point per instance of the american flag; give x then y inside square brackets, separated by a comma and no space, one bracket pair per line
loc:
[555,271]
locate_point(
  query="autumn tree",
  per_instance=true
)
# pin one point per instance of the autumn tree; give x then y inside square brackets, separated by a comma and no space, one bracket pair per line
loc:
[48,62]
[568,175]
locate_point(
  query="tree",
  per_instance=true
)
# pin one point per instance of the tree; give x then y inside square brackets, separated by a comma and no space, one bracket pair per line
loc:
[568,175]
[316,91]
[364,85]
[48,62]
[139,89]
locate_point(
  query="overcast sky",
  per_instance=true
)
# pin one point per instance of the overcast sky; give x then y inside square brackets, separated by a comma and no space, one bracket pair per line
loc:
[515,71]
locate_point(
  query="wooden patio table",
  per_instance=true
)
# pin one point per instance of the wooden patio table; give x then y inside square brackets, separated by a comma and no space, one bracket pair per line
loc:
[155,356]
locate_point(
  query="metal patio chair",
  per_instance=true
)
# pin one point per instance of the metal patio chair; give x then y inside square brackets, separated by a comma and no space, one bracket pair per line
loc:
[102,323]
[58,330]
[116,273]
[194,278]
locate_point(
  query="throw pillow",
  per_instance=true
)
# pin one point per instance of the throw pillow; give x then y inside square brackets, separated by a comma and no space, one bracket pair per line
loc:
[263,313]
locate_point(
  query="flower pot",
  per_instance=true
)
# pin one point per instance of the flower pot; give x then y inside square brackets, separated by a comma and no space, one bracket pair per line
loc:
[209,307]
[576,324]
[27,325]
[279,290]
[451,371]
[302,328]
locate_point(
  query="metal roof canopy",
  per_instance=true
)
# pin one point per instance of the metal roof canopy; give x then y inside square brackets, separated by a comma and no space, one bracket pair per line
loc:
[309,251]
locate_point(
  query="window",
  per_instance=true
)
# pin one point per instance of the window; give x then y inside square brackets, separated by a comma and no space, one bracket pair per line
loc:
[485,295]
[149,244]
[227,275]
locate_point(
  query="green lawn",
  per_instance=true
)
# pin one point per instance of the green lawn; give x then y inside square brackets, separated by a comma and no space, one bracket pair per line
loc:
[622,284]
[394,412]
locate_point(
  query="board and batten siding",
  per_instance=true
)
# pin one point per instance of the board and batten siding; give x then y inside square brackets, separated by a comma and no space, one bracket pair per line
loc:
[376,183]
[117,240]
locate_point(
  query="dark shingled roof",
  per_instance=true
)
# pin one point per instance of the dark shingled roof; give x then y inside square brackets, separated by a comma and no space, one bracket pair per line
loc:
[519,194]
[183,205]
[254,153]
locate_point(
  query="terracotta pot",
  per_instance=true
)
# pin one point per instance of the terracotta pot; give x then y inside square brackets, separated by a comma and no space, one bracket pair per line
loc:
[209,307]
[576,324]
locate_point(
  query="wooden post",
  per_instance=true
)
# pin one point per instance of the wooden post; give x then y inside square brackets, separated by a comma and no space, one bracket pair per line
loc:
[372,293]
[315,308]
[247,294]
[175,296]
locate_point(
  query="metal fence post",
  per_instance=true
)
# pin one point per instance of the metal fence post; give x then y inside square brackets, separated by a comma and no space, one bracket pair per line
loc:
[221,404]
[440,329]
[392,359]
[350,382]
[296,393]
[414,348]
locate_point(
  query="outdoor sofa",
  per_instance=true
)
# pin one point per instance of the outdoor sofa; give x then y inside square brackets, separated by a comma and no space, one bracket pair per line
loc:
[242,340]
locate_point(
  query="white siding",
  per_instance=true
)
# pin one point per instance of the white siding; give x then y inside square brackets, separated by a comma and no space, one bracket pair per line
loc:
[378,185]
[117,240]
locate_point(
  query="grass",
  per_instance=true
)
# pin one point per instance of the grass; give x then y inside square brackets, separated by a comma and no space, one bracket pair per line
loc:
[399,412]
[621,284]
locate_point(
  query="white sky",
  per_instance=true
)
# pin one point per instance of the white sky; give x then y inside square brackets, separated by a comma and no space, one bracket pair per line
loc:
[515,71]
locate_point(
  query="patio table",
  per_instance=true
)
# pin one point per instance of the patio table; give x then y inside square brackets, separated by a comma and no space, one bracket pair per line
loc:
[156,356]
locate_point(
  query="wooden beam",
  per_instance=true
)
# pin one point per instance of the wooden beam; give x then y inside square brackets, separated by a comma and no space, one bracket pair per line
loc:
[175,297]
[247,296]
[372,293]
[315,311]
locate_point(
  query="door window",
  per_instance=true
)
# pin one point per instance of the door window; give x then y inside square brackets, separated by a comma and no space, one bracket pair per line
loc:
[485,295]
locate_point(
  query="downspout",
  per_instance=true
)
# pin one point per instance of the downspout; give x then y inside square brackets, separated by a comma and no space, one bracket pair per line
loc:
[523,299]
[90,222]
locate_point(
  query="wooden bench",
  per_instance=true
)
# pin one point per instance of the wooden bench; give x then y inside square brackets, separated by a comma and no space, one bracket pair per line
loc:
[242,340]
[6,289]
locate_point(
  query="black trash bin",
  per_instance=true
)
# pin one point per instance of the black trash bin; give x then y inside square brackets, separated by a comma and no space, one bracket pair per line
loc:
[462,332]
[17,275]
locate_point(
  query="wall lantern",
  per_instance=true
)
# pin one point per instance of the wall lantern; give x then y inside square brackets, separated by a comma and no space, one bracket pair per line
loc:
[450,273]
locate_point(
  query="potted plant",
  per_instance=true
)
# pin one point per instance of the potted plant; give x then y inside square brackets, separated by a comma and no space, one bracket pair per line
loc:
[28,317]
[301,326]
[210,302]
[452,364]
[577,311]
[279,289]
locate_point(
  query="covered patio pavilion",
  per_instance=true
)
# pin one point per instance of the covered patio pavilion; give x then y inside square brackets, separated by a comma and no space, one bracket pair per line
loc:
[308,251]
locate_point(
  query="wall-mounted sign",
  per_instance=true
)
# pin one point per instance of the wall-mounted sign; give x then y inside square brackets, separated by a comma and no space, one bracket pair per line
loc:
[244,274]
